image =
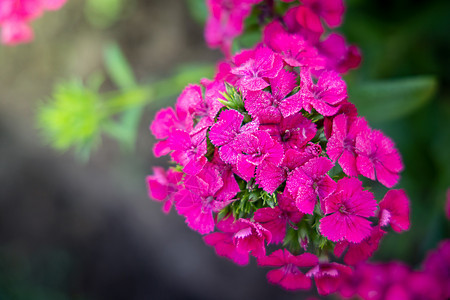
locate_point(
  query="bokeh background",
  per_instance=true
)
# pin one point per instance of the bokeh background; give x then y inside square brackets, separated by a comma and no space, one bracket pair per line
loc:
[87,230]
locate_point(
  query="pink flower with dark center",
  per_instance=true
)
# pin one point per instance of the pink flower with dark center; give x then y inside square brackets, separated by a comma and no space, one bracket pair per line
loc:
[339,56]
[329,276]
[269,106]
[198,200]
[256,149]
[293,132]
[357,253]
[255,71]
[288,276]
[223,241]
[347,210]
[394,210]
[377,154]
[276,219]
[325,96]
[189,150]
[163,185]
[310,181]
[251,237]
[341,145]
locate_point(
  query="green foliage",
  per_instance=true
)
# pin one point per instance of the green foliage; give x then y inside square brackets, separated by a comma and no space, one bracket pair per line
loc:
[392,99]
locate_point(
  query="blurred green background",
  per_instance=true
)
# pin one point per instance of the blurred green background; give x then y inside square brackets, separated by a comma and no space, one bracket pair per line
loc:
[86,230]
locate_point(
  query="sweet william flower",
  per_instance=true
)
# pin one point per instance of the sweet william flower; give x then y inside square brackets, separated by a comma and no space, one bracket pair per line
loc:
[251,237]
[378,155]
[289,275]
[329,276]
[347,210]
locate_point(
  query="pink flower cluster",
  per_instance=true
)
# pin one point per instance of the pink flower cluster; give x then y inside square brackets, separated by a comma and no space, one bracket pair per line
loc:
[15,16]
[396,281]
[269,153]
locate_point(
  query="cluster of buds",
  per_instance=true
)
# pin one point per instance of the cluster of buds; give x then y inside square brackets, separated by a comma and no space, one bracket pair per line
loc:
[270,152]
[15,16]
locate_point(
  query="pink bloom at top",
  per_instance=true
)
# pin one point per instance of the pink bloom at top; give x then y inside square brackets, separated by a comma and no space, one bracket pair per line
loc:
[225,131]
[225,21]
[223,241]
[288,276]
[189,150]
[347,210]
[251,237]
[165,122]
[330,10]
[275,219]
[295,50]
[341,144]
[270,106]
[253,73]
[394,210]
[357,253]
[293,132]
[339,56]
[257,149]
[309,181]
[198,200]
[163,185]
[377,154]
[325,96]
[294,24]
[329,276]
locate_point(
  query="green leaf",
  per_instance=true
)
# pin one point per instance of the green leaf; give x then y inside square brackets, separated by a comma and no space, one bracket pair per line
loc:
[198,10]
[118,68]
[393,99]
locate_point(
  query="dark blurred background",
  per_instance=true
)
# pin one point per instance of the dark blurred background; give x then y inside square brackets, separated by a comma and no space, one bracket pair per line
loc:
[72,230]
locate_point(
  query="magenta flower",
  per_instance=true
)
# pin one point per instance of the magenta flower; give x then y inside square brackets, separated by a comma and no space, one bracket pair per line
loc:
[251,237]
[256,149]
[276,219]
[341,144]
[288,276]
[329,276]
[437,264]
[357,253]
[347,210]
[223,241]
[163,185]
[255,71]
[268,107]
[223,134]
[325,96]
[346,108]
[394,210]
[309,181]
[377,154]
[198,200]
[189,150]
